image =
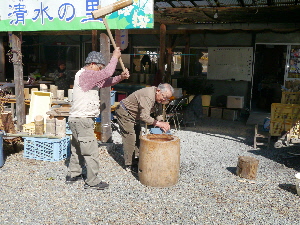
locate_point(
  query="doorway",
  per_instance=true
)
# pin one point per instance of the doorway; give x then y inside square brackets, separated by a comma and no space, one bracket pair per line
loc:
[268,77]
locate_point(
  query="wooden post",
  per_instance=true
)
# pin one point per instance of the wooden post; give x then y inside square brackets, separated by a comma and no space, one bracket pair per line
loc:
[18,79]
[94,40]
[162,51]
[2,62]
[105,106]
[169,60]
[186,56]
[247,167]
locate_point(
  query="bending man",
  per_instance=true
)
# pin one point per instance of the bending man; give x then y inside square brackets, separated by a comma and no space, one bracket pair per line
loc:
[138,107]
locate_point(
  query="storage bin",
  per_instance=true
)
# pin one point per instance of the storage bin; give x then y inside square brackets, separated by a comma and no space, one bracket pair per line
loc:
[235,102]
[46,149]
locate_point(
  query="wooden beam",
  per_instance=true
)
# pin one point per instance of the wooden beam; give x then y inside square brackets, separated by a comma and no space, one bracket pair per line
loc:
[94,41]
[186,56]
[162,51]
[18,79]
[271,14]
[105,105]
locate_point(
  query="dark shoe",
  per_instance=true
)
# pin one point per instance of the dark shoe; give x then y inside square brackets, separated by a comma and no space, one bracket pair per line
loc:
[132,168]
[71,180]
[101,186]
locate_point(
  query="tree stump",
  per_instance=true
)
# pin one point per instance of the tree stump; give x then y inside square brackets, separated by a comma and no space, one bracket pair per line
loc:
[247,167]
[50,126]
[60,126]
[39,125]
[7,123]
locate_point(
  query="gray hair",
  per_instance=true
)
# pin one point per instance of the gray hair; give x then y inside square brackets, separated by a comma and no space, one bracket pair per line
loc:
[165,87]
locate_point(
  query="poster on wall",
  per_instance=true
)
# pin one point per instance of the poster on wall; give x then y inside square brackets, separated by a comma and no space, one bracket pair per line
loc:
[294,62]
[42,15]
[230,63]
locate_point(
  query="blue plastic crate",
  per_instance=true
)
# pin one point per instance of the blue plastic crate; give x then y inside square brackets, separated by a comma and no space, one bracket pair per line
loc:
[46,149]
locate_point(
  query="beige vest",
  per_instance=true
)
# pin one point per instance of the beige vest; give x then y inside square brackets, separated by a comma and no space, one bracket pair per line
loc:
[85,104]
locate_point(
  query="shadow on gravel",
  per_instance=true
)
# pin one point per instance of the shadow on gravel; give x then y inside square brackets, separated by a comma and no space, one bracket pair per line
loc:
[288,187]
[232,170]
[288,156]
[117,154]
[230,130]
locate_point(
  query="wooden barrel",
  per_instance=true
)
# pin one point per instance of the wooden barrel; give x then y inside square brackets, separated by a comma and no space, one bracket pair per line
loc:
[159,160]
[39,125]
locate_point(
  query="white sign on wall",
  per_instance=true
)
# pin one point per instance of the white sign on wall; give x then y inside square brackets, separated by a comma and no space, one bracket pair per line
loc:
[230,63]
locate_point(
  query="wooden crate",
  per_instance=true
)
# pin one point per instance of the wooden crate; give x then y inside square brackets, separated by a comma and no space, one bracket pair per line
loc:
[290,97]
[285,117]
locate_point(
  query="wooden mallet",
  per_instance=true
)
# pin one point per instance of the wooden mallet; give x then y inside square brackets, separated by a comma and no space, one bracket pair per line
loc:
[102,12]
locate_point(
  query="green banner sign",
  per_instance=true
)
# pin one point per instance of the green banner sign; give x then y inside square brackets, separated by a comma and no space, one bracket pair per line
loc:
[42,15]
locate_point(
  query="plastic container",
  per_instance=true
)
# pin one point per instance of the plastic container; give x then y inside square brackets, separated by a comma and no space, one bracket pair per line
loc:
[112,97]
[297,175]
[97,128]
[157,130]
[46,149]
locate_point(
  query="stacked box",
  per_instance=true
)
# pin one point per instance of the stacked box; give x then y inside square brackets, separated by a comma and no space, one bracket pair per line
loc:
[216,113]
[230,114]
[290,97]
[46,149]
[235,102]
[205,111]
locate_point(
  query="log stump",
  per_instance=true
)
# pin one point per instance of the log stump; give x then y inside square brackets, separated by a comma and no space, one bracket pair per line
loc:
[39,125]
[60,126]
[7,123]
[50,126]
[247,167]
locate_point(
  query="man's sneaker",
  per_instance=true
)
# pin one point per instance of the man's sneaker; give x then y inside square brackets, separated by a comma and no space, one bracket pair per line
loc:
[71,180]
[132,168]
[101,186]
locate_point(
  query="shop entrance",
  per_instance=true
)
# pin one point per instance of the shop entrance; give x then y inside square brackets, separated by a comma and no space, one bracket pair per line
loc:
[269,71]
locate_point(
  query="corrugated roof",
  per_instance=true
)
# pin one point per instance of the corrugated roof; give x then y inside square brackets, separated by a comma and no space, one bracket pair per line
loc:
[228,11]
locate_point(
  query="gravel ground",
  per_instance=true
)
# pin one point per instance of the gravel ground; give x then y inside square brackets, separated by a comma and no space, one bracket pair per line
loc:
[208,191]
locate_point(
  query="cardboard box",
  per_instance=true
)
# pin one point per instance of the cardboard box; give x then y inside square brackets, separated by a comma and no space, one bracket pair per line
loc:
[216,113]
[235,102]
[205,111]
[230,114]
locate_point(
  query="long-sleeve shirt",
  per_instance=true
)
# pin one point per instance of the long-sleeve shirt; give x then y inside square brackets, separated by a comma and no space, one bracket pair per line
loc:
[86,89]
[90,78]
[141,103]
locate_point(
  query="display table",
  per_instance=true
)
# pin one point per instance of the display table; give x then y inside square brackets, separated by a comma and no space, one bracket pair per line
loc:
[61,108]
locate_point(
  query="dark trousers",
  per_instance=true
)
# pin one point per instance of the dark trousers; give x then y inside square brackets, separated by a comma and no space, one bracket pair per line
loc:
[130,131]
